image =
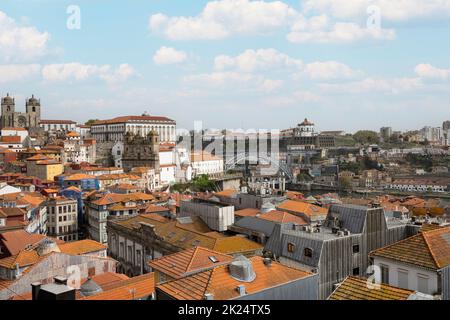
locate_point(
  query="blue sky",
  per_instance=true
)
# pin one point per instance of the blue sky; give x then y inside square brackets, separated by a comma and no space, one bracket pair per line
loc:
[233,63]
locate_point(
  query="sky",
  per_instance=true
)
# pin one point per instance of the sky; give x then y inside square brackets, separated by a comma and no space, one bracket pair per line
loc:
[343,64]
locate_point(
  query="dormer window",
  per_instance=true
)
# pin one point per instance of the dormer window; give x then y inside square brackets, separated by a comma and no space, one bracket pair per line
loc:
[291,247]
[307,252]
[213,259]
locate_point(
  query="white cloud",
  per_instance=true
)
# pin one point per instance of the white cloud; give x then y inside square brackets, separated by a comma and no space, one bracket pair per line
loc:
[257,60]
[306,96]
[374,85]
[328,70]
[428,71]
[166,55]
[120,74]
[18,72]
[270,85]
[20,42]
[223,18]
[232,80]
[319,29]
[77,71]
[264,60]
[392,10]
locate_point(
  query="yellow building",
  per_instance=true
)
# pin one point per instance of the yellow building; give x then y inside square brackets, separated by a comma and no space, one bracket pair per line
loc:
[44,168]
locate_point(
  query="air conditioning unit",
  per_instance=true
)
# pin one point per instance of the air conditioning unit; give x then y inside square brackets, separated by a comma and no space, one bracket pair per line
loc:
[340,233]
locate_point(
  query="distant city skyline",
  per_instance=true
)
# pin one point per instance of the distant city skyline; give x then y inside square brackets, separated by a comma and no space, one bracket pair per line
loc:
[213,61]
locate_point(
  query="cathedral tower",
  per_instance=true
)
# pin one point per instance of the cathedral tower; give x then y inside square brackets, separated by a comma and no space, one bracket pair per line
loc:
[33,112]
[8,109]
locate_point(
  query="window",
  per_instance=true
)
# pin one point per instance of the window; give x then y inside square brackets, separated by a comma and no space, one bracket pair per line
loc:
[402,278]
[355,248]
[308,252]
[138,258]
[291,247]
[356,271]
[384,274]
[130,253]
[422,283]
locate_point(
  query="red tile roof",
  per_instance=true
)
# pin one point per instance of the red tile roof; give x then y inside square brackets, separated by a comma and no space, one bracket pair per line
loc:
[132,119]
[57,122]
[222,286]
[81,247]
[429,249]
[11,139]
[189,261]
[355,288]
[18,240]
[131,289]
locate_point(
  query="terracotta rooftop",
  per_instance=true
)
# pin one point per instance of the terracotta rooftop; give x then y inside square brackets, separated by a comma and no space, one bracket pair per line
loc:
[10,139]
[81,247]
[18,240]
[282,217]
[192,234]
[189,261]
[14,129]
[78,176]
[73,134]
[430,249]
[248,212]
[308,209]
[355,288]
[222,286]
[155,208]
[226,193]
[130,289]
[132,119]
[12,211]
[24,258]
[57,122]
[203,156]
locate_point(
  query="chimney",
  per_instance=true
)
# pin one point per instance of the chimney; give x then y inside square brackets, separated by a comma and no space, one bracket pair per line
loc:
[35,287]
[241,289]
[60,280]
[209,296]
[267,262]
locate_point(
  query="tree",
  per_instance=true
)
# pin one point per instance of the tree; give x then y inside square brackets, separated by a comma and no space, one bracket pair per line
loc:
[90,122]
[366,137]
[202,183]
[345,182]
[304,177]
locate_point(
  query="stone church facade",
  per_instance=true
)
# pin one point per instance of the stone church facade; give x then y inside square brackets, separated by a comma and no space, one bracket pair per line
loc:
[141,151]
[29,119]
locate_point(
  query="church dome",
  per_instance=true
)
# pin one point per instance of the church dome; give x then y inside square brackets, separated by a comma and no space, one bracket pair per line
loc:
[306,122]
[89,288]
[8,99]
[32,100]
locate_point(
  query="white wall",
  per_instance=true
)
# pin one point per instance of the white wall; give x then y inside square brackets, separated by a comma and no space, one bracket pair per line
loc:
[413,275]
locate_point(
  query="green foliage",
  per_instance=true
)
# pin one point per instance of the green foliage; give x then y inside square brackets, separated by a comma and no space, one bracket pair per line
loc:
[423,161]
[201,183]
[304,177]
[355,167]
[366,137]
[345,183]
[90,122]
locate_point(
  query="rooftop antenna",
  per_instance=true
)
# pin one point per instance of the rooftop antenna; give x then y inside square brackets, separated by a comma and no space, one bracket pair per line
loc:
[132,292]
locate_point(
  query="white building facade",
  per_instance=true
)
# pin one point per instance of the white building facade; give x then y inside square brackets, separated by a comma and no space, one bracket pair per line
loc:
[115,129]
